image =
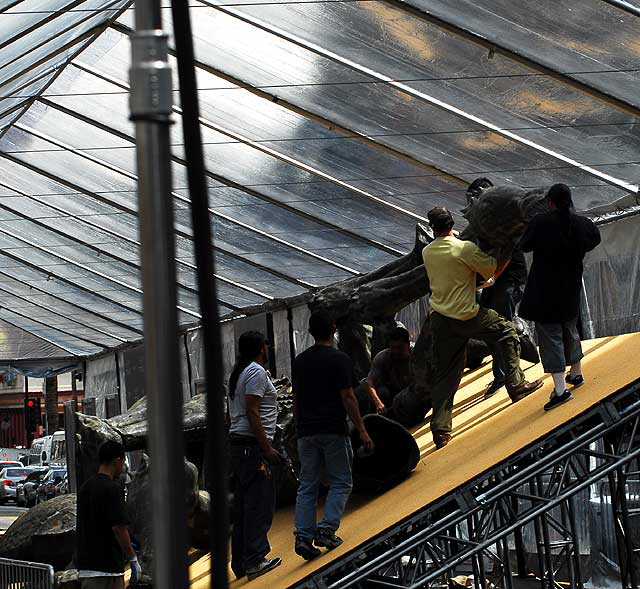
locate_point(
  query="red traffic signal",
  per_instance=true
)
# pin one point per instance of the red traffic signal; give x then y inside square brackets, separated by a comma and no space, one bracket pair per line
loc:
[31,414]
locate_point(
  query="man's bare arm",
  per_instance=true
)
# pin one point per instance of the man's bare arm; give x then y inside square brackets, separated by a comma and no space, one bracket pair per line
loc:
[124,540]
[351,407]
[380,408]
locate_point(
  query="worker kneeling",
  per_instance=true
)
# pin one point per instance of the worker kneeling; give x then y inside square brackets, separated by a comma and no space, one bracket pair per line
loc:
[452,265]
[390,373]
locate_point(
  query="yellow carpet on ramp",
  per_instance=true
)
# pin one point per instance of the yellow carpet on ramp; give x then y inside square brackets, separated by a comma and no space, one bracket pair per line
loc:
[486,432]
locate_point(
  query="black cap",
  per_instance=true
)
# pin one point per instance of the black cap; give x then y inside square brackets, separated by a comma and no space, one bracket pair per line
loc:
[440,219]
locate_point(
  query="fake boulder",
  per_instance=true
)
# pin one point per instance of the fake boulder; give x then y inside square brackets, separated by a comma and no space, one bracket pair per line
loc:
[46,533]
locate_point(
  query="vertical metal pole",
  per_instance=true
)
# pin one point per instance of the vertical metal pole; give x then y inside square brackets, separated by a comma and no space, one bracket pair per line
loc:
[622,508]
[151,110]
[574,532]
[70,444]
[571,546]
[26,397]
[550,575]
[539,544]
[521,558]
[74,391]
[216,469]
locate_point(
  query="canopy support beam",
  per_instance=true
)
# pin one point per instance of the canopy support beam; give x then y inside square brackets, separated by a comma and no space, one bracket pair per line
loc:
[74,305]
[421,96]
[517,56]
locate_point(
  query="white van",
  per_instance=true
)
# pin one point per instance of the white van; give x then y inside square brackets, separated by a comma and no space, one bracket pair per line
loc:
[58,449]
[40,452]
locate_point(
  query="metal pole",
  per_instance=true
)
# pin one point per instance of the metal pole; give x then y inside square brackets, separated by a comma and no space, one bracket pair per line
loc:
[521,558]
[74,390]
[544,527]
[539,544]
[216,469]
[151,111]
[573,526]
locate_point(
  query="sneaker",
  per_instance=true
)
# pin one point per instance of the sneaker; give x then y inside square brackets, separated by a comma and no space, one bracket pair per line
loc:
[441,439]
[263,567]
[556,400]
[524,390]
[306,549]
[576,381]
[493,388]
[327,538]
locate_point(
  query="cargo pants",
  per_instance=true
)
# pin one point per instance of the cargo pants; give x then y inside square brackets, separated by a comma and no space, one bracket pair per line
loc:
[450,338]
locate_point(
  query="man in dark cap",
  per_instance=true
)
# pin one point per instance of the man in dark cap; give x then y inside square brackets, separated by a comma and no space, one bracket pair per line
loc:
[452,266]
[559,240]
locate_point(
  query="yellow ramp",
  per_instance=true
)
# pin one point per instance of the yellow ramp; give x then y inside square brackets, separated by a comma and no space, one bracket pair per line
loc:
[486,432]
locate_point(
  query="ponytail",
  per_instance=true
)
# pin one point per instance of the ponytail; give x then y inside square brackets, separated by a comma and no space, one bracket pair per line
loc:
[250,345]
[560,196]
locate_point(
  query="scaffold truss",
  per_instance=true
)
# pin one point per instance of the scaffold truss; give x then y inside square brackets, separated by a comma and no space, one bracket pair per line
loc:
[475,530]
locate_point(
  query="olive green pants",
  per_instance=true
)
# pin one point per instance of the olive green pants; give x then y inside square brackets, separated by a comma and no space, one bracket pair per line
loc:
[450,338]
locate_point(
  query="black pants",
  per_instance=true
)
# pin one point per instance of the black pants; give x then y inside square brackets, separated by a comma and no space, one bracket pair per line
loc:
[503,299]
[253,507]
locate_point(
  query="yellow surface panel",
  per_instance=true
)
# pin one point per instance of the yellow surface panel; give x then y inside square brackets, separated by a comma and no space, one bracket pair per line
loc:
[486,432]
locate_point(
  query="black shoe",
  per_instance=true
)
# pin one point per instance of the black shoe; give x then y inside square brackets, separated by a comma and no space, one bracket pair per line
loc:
[264,567]
[306,549]
[327,538]
[558,400]
[493,388]
[576,381]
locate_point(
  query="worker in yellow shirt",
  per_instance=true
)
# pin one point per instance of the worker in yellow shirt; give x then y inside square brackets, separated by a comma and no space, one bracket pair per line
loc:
[452,266]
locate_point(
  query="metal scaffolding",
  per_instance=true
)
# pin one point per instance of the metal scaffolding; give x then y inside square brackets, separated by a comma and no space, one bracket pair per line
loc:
[471,530]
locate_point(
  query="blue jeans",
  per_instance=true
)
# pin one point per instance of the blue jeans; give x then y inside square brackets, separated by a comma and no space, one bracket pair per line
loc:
[334,453]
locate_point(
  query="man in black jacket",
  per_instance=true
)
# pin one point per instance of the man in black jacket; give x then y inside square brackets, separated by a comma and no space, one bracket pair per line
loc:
[559,240]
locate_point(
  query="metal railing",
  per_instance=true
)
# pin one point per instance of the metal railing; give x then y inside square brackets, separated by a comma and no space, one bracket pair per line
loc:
[19,574]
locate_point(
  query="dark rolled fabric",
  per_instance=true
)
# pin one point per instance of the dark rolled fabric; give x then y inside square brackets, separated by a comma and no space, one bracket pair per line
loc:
[396,455]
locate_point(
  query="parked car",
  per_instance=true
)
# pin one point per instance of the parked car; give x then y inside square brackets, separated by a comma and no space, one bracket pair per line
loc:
[9,479]
[47,488]
[8,463]
[26,491]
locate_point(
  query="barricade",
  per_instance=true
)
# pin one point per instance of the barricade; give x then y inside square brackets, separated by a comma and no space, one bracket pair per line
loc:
[18,574]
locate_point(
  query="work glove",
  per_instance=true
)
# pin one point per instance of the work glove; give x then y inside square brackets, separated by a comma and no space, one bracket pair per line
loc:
[136,571]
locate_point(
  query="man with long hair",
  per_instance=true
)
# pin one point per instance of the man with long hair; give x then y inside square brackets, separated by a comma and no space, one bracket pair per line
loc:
[253,413]
[559,240]
[456,317]
[323,397]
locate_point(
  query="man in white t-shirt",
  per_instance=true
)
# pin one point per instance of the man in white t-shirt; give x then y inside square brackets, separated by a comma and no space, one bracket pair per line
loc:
[253,413]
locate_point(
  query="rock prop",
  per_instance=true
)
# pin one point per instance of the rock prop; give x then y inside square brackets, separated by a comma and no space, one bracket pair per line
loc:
[499,217]
[140,514]
[45,533]
[395,455]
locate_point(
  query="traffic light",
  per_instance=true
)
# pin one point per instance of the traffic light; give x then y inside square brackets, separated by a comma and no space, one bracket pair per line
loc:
[31,414]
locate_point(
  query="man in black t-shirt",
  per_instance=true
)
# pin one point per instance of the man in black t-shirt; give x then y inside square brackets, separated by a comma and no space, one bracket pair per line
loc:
[102,536]
[323,397]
